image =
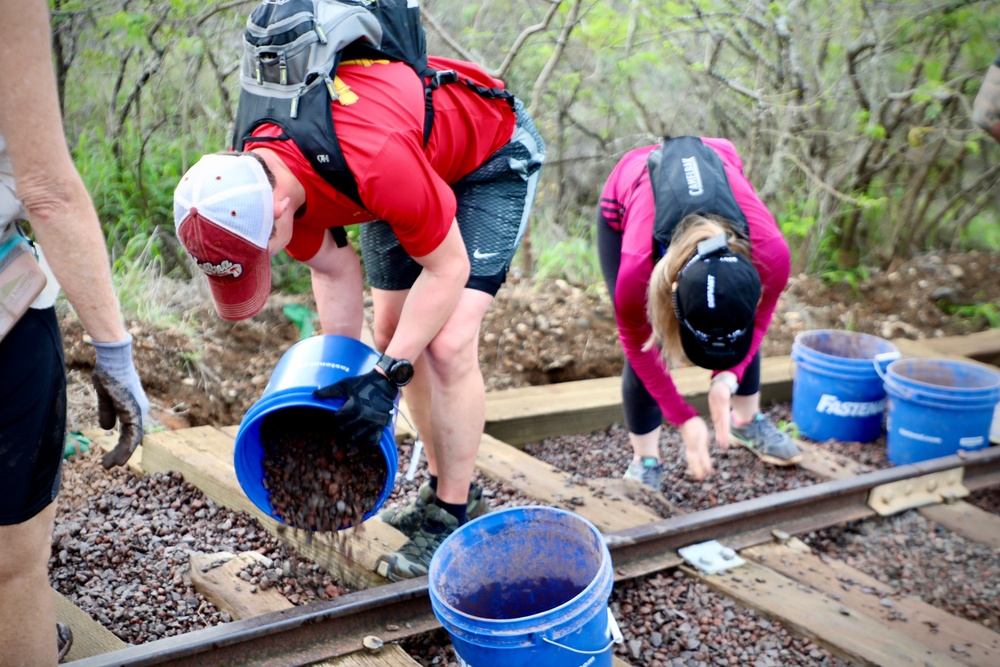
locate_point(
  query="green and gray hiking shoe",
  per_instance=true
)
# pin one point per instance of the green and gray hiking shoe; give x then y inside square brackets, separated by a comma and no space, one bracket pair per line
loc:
[767,442]
[407,519]
[646,470]
[414,558]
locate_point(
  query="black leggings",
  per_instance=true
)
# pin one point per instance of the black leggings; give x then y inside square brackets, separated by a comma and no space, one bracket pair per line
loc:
[642,413]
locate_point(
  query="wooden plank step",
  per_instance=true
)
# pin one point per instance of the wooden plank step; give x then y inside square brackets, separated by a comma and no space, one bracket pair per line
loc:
[827,464]
[844,632]
[965,519]
[983,346]
[530,414]
[550,486]
[204,455]
[90,638]
[216,576]
[390,655]
[936,629]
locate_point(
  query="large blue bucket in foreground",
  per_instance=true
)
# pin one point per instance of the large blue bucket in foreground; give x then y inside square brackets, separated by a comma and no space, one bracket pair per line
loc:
[938,407]
[309,364]
[526,587]
[837,392]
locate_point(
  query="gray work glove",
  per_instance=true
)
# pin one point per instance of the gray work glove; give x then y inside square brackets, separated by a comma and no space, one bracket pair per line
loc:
[120,398]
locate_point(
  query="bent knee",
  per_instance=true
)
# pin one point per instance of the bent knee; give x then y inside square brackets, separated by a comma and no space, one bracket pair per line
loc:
[453,354]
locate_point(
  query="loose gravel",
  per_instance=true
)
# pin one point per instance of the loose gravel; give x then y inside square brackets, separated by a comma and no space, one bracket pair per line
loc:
[915,556]
[738,474]
[122,543]
[671,620]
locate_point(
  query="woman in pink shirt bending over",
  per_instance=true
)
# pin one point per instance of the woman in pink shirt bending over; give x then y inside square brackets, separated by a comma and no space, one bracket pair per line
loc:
[694,263]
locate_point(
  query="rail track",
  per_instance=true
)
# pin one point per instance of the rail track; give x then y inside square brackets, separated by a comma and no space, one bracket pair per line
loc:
[791,584]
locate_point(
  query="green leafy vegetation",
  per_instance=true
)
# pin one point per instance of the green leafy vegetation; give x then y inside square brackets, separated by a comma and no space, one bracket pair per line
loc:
[852,120]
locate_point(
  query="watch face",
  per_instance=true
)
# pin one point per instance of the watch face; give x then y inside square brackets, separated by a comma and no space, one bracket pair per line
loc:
[401,372]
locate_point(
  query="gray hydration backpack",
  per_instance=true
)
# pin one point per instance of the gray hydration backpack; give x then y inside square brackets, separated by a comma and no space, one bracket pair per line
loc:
[291,50]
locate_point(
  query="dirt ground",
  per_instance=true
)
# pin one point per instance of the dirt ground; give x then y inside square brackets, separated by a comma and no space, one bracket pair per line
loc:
[209,372]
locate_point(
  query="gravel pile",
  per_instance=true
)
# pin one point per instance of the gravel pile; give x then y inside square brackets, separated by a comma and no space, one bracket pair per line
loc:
[738,474]
[122,543]
[671,620]
[916,556]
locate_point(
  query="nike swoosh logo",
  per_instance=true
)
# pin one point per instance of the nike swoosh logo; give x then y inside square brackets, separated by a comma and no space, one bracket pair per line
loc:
[483,255]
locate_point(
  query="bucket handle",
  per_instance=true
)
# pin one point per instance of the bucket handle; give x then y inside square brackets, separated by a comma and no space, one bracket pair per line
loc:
[616,638]
[890,356]
[884,358]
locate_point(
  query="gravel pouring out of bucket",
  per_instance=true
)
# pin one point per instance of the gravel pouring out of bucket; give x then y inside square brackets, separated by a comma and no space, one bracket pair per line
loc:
[314,481]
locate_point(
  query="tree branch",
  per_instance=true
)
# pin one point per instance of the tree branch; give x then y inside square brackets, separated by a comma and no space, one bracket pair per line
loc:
[448,39]
[543,79]
[523,37]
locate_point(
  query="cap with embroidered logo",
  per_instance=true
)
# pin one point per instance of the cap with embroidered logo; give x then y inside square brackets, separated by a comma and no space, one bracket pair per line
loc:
[716,301]
[224,214]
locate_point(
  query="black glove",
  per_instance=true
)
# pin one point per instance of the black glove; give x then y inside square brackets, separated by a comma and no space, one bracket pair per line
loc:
[116,402]
[368,403]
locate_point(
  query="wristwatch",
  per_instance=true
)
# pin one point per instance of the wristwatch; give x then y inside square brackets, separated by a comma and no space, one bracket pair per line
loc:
[399,371]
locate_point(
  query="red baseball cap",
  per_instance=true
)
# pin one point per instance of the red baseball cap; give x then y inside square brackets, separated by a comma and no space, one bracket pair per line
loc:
[224,214]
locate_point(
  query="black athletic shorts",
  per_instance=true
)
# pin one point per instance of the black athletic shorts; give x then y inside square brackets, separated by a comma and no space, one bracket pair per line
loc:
[494,203]
[32,416]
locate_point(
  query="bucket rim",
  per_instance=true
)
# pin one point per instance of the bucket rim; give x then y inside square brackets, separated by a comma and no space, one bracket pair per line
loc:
[591,594]
[930,388]
[799,343]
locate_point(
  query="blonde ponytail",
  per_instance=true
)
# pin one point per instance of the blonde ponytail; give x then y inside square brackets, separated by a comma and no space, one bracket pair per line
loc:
[691,231]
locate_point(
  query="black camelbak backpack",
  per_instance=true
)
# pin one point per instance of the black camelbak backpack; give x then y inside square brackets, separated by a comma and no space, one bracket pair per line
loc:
[688,177]
[291,50]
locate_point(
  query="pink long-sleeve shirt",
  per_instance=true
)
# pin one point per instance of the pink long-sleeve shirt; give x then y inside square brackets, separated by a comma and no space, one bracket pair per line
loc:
[627,206]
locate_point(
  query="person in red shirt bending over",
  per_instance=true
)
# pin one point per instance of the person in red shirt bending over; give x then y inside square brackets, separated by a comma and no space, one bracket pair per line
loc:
[694,264]
[442,219]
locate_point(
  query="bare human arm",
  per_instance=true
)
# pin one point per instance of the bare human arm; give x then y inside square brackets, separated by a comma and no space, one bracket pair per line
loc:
[433,296]
[63,217]
[59,207]
[986,107]
[338,288]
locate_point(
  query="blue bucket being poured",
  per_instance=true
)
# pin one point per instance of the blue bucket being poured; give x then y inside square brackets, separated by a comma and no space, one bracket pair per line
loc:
[309,364]
[526,587]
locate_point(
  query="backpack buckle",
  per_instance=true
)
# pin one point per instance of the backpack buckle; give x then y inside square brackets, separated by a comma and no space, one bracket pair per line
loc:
[443,77]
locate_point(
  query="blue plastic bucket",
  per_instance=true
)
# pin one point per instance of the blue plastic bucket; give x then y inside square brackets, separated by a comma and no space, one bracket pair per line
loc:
[309,364]
[526,587]
[837,391]
[938,407]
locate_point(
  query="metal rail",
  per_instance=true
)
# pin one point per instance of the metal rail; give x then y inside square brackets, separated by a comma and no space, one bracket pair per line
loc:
[328,629]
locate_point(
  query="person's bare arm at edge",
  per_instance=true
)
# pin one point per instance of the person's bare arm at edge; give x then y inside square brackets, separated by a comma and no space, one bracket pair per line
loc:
[986,107]
[59,207]
[338,287]
[58,204]
[433,296]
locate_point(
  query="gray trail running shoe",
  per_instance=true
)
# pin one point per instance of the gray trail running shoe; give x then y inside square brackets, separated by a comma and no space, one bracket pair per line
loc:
[64,637]
[767,442]
[414,558]
[407,519]
[646,471]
